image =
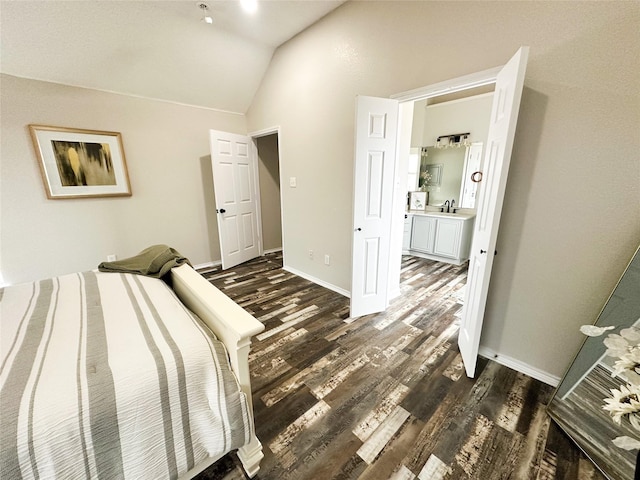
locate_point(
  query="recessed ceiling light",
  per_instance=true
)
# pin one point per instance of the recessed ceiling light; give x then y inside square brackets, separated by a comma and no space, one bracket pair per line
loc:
[249,6]
[206,18]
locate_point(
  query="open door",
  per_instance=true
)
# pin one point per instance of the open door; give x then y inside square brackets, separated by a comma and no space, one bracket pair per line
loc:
[234,183]
[502,127]
[376,132]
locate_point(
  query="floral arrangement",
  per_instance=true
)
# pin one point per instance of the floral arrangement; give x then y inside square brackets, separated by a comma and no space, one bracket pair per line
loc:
[624,401]
[426,177]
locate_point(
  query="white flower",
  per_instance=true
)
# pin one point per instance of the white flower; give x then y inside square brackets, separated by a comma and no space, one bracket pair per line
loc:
[626,443]
[625,401]
[617,345]
[631,334]
[628,363]
[593,331]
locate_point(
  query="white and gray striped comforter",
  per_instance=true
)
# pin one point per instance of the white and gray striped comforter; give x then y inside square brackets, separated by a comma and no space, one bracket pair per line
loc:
[108,375]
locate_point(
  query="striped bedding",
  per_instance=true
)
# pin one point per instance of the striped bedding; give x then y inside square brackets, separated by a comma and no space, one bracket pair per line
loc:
[108,375]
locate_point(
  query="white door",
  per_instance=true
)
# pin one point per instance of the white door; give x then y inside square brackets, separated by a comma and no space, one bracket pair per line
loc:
[235,193]
[502,127]
[376,132]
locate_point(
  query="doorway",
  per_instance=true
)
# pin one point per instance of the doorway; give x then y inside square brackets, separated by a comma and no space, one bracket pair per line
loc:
[266,145]
[414,109]
[509,82]
[448,136]
[246,178]
[268,156]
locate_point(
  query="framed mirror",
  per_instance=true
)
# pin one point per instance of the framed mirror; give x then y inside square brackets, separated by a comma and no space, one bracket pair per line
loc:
[597,402]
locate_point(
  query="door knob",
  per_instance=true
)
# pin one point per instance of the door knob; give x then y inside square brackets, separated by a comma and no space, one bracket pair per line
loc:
[358,229]
[222,210]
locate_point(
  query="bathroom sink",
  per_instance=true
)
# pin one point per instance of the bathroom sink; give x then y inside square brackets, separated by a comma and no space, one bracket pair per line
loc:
[445,214]
[451,215]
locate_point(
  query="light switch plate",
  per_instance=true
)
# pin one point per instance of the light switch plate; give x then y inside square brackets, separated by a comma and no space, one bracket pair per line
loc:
[292,182]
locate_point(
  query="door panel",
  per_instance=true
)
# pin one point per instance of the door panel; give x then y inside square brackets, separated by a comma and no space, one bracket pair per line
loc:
[374,166]
[235,195]
[372,246]
[504,116]
[244,174]
[375,186]
[248,221]
[232,243]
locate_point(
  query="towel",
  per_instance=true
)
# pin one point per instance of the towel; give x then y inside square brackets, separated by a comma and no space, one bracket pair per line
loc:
[155,261]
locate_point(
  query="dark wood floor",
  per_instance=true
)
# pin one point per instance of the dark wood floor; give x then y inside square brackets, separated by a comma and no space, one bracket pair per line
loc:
[385,396]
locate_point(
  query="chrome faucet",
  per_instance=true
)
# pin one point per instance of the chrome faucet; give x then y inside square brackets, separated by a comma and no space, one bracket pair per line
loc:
[447,204]
[453,210]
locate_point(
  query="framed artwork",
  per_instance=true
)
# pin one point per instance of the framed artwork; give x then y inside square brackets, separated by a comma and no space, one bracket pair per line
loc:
[435,172]
[77,163]
[418,200]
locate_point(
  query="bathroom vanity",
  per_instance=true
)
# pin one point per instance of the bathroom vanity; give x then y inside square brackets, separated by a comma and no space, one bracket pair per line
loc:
[445,237]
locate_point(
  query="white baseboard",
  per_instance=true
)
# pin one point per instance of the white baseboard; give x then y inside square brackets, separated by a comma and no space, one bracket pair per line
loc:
[519,366]
[219,262]
[207,265]
[317,281]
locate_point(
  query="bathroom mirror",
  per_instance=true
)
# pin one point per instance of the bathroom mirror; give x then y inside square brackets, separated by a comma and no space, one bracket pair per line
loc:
[449,174]
[446,166]
[577,404]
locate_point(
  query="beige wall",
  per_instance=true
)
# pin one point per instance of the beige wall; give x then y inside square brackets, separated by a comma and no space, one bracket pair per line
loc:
[572,209]
[167,152]
[459,116]
[269,173]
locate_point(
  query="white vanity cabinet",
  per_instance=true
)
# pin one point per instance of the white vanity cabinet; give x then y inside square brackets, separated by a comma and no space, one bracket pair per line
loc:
[440,236]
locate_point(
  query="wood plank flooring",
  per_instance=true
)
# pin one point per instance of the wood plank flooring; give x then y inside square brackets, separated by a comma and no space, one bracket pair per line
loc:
[385,396]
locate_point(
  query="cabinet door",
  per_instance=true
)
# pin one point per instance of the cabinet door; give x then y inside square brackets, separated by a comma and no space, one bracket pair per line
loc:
[447,238]
[423,234]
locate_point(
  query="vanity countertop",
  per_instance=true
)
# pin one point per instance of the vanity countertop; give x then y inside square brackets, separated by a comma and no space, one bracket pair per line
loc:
[438,214]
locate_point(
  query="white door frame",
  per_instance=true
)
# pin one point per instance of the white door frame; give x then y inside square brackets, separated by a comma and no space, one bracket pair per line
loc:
[486,77]
[254,151]
[407,99]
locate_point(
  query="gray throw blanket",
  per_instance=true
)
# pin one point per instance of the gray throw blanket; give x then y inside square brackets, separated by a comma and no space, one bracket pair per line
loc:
[155,261]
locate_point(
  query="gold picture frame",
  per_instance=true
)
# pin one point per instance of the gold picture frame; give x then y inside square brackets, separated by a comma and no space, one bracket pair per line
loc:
[79,163]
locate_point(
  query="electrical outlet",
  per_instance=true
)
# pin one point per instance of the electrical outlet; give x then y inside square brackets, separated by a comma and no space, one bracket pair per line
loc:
[311,254]
[112,258]
[327,260]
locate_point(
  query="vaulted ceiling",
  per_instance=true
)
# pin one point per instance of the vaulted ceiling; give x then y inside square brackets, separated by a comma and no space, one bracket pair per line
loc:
[155,49]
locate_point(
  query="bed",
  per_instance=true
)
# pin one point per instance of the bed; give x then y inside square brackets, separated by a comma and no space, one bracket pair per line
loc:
[115,375]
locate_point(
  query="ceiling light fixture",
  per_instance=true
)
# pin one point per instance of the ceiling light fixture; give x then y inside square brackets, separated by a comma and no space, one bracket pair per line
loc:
[206,18]
[249,6]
